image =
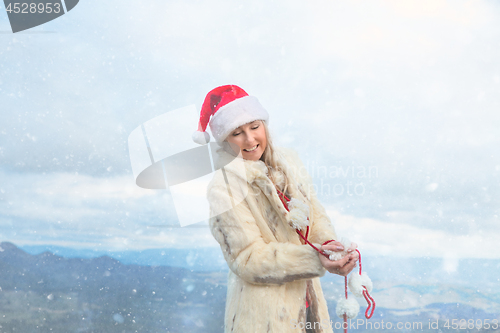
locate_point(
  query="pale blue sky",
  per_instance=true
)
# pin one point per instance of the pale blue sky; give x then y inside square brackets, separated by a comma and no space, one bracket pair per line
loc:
[410,88]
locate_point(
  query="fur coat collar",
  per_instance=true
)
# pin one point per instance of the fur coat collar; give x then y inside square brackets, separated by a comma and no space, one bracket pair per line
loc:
[256,174]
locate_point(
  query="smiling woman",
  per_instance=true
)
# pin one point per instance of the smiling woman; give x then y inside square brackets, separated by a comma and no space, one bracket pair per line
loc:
[251,139]
[273,282]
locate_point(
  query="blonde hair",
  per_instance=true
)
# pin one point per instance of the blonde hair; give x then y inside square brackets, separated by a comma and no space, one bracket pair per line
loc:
[269,157]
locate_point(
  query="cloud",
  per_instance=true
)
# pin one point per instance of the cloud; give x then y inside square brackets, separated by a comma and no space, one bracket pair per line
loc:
[383,238]
[82,211]
[408,87]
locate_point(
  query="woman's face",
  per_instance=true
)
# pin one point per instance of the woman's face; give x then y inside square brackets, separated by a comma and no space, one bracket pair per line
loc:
[250,138]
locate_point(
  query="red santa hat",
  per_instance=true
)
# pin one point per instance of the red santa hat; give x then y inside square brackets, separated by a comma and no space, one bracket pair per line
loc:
[226,108]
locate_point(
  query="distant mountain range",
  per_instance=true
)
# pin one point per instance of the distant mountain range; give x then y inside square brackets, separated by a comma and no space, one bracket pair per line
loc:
[482,274]
[175,291]
[49,293]
[203,259]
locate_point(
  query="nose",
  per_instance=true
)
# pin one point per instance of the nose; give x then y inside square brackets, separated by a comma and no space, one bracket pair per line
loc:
[250,138]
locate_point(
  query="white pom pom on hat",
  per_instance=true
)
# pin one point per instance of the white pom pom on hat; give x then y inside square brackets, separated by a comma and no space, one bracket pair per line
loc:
[201,138]
[226,108]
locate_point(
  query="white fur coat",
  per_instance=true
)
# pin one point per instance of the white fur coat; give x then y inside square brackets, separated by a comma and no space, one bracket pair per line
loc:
[270,267]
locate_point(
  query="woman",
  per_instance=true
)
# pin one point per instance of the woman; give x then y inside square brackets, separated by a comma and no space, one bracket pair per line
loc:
[273,282]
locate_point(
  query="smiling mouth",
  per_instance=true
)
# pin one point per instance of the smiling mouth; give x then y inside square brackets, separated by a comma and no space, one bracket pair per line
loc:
[251,149]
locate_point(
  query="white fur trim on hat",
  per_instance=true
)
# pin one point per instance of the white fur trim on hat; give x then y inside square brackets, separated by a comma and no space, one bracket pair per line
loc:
[232,115]
[356,283]
[348,306]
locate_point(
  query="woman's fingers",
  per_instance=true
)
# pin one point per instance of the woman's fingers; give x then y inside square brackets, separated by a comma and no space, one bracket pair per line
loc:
[333,246]
[353,247]
[354,255]
[342,266]
[341,262]
[333,266]
[347,268]
[337,246]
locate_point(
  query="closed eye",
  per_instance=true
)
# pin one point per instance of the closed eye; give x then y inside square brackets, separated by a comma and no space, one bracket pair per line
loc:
[254,128]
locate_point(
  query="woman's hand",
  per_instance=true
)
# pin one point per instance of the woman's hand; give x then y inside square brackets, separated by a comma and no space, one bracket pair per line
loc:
[352,248]
[342,266]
